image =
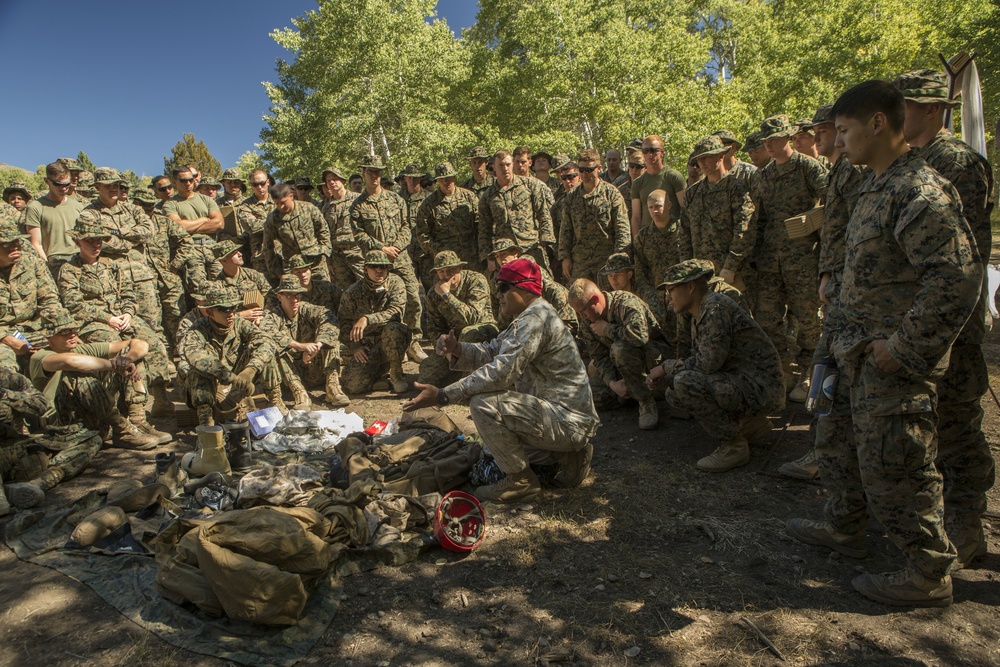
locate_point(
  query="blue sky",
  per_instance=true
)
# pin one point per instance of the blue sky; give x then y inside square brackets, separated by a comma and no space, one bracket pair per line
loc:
[124,86]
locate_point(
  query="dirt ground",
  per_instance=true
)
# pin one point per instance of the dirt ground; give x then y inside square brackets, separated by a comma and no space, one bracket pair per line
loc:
[649,562]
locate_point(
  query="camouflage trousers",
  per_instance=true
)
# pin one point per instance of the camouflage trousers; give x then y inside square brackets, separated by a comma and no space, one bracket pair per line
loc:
[171,293]
[895,425]
[789,287]
[154,366]
[200,389]
[314,373]
[964,458]
[515,426]
[435,370]
[717,401]
[589,270]
[386,345]
[87,399]
[632,364]
[412,318]
[25,460]
[346,267]
[198,264]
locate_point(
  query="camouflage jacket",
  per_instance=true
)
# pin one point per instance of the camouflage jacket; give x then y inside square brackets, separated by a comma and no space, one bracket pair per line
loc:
[337,213]
[743,171]
[380,220]
[413,202]
[656,250]
[521,211]
[20,399]
[380,307]
[625,188]
[251,215]
[301,232]
[169,240]
[131,231]
[468,305]
[479,188]
[631,322]
[841,196]
[450,223]
[213,353]
[911,273]
[25,293]
[246,280]
[715,223]
[595,225]
[94,292]
[312,324]
[781,191]
[324,293]
[536,355]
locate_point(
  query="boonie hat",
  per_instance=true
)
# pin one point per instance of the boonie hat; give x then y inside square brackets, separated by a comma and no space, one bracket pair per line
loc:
[685,272]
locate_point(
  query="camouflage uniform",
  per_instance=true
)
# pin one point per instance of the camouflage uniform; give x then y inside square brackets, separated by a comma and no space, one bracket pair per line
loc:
[743,171]
[479,188]
[346,259]
[734,373]
[630,347]
[521,211]
[466,311]
[450,223]
[655,250]
[786,268]
[251,214]
[911,277]
[25,293]
[386,337]
[594,226]
[169,241]
[312,324]
[304,232]
[245,281]
[379,221]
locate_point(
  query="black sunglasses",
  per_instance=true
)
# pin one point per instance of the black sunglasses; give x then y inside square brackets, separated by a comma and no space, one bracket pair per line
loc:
[587,170]
[633,165]
[503,286]
[64,184]
[225,309]
[570,177]
[185,180]
[651,149]
[258,185]
[165,188]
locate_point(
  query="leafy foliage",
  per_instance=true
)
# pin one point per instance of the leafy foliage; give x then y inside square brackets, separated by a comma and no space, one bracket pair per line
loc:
[85,162]
[192,151]
[34,182]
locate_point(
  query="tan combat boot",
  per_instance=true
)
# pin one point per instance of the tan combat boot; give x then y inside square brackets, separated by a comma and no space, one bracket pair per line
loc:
[730,454]
[126,435]
[801,468]
[574,467]
[335,396]
[273,396]
[28,494]
[648,415]
[800,392]
[137,415]
[210,455]
[905,588]
[823,534]
[415,353]
[300,397]
[162,405]
[517,487]
[396,377]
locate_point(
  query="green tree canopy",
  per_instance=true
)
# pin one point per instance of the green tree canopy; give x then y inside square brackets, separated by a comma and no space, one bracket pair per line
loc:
[192,151]
[85,162]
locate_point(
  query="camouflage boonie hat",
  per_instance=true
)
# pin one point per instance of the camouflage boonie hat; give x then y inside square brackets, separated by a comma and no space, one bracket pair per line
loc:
[377,258]
[86,179]
[144,196]
[208,180]
[107,176]
[412,169]
[635,155]
[303,182]
[70,163]
[17,186]
[617,262]
[710,145]
[776,126]
[297,262]
[218,295]
[635,143]
[333,171]
[223,249]
[230,175]
[289,284]
[9,231]
[925,86]
[823,115]
[544,154]
[728,138]
[88,226]
[803,125]
[447,259]
[56,319]
[503,244]
[685,272]
[480,152]
[560,160]
[444,170]
[372,162]
[753,142]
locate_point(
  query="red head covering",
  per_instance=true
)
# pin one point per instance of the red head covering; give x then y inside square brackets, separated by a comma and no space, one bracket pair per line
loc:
[523,274]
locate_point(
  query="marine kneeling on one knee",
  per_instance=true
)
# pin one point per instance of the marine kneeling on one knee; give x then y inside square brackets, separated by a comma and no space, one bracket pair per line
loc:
[733,378]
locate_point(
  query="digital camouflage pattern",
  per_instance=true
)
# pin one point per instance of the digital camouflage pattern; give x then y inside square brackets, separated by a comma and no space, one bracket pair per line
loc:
[386,337]
[346,258]
[717,223]
[246,280]
[312,324]
[467,312]
[911,276]
[841,196]
[521,211]
[251,214]
[450,223]
[656,249]
[594,225]
[304,232]
[26,292]
[478,189]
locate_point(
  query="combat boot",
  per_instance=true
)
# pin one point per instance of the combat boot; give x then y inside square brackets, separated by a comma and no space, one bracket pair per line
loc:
[905,588]
[238,446]
[300,397]
[335,396]
[162,405]
[210,456]
[823,534]
[801,468]
[648,415]
[169,473]
[730,454]
[23,495]
[970,542]
[274,398]
[206,415]
[126,435]
[513,488]
[137,415]
[415,353]
[396,377]
[800,392]
[574,467]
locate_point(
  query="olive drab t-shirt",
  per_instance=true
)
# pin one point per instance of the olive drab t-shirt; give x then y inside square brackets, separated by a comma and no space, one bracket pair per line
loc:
[669,180]
[48,383]
[55,222]
[198,206]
